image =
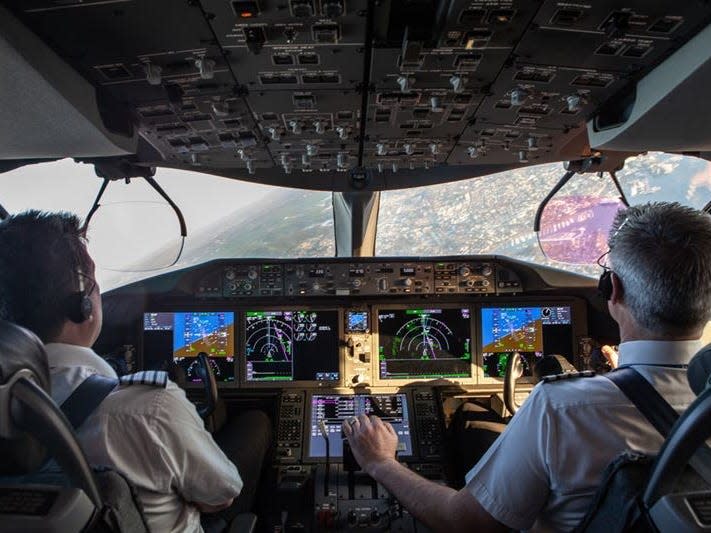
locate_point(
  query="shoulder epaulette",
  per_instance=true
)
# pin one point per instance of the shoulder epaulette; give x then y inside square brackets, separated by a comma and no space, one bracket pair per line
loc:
[568,375]
[152,378]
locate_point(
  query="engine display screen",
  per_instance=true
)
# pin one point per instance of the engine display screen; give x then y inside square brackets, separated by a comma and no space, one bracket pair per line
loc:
[333,409]
[424,343]
[299,345]
[181,336]
[530,331]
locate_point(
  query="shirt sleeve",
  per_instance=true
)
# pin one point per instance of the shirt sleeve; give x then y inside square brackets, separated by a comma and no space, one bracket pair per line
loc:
[512,480]
[201,472]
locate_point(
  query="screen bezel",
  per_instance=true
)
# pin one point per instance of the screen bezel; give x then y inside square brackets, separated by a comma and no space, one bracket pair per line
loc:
[375,328]
[306,433]
[141,359]
[288,384]
[578,318]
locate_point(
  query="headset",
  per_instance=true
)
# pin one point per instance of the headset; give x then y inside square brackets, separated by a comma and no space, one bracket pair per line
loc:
[79,306]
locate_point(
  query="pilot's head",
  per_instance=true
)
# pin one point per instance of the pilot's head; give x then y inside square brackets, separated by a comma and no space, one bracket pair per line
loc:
[47,281]
[660,257]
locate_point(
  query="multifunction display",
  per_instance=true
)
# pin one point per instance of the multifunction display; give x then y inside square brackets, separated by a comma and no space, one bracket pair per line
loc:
[334,409]
[530,331]
[296,345]
[182,336]
[424,343]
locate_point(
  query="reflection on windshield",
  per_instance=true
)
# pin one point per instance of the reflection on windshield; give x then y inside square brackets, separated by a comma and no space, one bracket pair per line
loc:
[494,214]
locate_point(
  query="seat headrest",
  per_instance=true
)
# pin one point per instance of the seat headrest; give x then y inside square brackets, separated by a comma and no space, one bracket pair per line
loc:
[699,370]
[21,349]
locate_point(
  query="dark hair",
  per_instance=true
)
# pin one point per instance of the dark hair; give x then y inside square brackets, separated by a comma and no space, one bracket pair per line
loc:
[40,255]
[662,254]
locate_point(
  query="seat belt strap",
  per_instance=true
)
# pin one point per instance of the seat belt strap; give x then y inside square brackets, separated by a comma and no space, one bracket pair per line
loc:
[86,398]
[658,412]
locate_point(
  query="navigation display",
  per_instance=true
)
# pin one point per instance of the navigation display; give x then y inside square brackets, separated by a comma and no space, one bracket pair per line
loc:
[530,331]
[333,409]
[295,345]
[181,336]
[424,343]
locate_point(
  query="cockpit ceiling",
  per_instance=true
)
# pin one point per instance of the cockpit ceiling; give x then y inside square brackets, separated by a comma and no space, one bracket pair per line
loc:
[309,93]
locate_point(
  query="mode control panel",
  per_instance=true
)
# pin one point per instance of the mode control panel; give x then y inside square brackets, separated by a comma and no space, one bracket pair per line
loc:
[365,278]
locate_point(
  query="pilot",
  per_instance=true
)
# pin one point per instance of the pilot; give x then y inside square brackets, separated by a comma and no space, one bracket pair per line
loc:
[543,471]
[152,435]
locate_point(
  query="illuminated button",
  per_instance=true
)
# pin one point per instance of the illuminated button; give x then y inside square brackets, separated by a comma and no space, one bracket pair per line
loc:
[246,9]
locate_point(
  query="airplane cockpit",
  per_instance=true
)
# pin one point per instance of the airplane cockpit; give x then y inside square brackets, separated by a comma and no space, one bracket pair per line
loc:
[395,109]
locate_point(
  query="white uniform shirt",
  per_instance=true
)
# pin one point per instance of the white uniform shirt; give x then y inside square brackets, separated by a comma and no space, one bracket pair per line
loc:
[543,471]
[154,437]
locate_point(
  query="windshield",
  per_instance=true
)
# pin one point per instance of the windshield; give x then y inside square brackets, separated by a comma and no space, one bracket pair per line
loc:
[228,218]
[494,214]
[225,218]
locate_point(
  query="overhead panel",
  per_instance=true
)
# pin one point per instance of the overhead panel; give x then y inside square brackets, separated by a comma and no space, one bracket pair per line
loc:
[304,93]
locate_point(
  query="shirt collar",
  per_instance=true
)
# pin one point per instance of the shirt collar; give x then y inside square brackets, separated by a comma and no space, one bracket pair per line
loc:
[658,352]
[70,355]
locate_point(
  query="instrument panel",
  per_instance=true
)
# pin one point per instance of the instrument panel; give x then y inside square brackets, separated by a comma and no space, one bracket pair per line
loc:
[373,345]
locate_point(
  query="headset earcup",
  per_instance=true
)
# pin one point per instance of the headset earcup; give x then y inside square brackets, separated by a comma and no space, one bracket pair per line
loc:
[604,286]
[79,307]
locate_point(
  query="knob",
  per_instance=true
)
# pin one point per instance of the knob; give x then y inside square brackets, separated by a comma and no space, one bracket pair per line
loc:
[464,271]
[232,287]
[409,149]
[380,149]
[230,274]
[358,379]
[434,148]
[532,143]
[457,84]
[485,283]
[311,149]
[518,96]
[342,160]
[206,68]
[395,167]
[316,286]
[404,83]
[320,127]
[247,286]
[381,167]
[295,127]
[473,152]
[250,166]
[274,134]
[434,105]
[407,282]
[153,74]
[383,284]
[573,102]
[342,133]
[523,156]
[243,155]
[486,270]
[305,160]
[252,274]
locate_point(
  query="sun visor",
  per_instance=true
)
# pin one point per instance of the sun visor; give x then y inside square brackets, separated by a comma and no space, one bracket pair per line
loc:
[48,110]
[668,110]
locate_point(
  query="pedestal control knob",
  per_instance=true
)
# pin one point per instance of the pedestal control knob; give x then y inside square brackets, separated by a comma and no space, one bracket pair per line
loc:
[252,274]
[407,282]
[247,286]
[230,274]
[383,284]
[464,271]
[486,270]
[358,379]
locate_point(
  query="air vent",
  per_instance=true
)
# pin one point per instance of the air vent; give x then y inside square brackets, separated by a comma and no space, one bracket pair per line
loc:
[701,505]
[115,72]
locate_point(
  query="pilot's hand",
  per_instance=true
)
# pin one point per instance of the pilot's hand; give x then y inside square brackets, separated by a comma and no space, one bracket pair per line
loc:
[373,441]
[610,355]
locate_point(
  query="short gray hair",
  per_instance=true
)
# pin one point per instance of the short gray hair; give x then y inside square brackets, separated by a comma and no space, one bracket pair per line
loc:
[661,252]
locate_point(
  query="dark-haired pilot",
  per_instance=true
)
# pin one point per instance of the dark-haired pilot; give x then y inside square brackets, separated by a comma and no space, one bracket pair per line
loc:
[541,474]
[151,434]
